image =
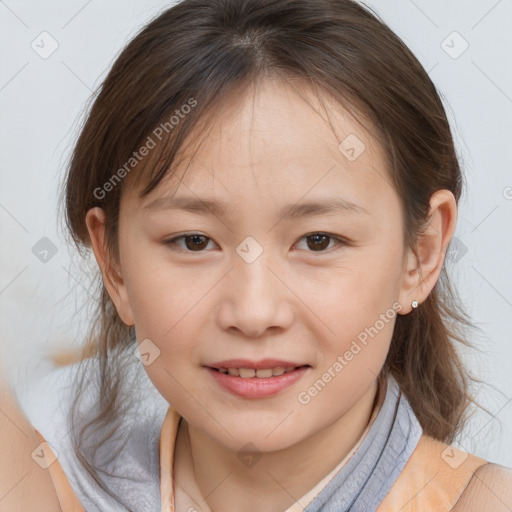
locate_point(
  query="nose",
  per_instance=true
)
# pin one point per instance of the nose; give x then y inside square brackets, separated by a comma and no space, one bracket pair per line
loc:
[256,299]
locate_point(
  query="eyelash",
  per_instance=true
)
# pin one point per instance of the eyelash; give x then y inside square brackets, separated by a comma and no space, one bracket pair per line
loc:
[341,241]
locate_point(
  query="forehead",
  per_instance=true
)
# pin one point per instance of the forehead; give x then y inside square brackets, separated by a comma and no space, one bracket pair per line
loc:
[279,140]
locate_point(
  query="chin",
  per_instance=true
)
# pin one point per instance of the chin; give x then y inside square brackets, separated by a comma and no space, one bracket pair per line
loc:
[256,436]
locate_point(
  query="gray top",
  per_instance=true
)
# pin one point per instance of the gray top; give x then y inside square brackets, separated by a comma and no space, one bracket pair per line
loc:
[135,472]
[363,482]
[359,486]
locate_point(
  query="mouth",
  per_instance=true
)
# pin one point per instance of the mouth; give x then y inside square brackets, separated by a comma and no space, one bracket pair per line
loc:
[250,379]
[260,373]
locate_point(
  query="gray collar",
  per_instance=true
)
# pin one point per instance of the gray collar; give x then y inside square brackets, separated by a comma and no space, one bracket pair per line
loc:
[363,482]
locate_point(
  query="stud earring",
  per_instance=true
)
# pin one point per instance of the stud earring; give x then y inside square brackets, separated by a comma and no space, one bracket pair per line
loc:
[414,304]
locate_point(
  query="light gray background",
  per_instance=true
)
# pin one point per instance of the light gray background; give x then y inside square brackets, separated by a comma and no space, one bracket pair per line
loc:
[41,99]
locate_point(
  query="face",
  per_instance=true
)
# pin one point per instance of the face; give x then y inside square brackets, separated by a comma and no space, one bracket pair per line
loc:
[262,276]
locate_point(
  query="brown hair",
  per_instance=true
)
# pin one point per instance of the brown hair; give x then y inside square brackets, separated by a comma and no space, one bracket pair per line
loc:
[208,50]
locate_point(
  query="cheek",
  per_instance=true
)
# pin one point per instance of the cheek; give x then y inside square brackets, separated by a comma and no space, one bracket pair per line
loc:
[162,310]
[156,296]
[361,339]
[166,313]
[352,355]
[358,309]
[169,305]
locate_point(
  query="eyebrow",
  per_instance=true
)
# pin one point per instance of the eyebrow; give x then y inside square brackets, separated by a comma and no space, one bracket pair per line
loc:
[292,211]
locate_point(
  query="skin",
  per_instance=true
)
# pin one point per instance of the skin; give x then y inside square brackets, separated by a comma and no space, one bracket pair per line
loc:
[271,148]
[24,485]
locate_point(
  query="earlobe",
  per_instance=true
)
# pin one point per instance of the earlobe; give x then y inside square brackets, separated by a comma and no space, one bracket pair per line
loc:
[112,279]
[422,270]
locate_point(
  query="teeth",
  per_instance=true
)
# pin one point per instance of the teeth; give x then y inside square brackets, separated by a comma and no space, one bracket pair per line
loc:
[264,373]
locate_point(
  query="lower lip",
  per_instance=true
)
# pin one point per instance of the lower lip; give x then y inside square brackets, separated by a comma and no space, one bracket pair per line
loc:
[255,387]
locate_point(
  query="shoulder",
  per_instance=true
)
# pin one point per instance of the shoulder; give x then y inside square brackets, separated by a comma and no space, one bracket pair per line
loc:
[127,457]
[444,478]
[490,489]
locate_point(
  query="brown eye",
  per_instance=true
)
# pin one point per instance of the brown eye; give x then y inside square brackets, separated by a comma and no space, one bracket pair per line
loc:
[320,242]
[196,242]
[193,243]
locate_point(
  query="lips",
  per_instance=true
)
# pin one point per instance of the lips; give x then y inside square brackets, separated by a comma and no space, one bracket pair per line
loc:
[256,365]
[255,383]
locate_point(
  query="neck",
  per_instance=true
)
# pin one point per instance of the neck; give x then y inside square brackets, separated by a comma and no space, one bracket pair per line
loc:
[222,483]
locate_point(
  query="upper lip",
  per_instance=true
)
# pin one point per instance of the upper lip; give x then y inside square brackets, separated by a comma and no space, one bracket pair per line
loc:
[257,365]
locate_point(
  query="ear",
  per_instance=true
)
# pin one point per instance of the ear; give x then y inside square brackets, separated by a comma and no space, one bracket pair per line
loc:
[422,271]
[112,279]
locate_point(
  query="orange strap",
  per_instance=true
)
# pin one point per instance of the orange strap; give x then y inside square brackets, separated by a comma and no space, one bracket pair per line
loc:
[68,500]
[433,478]
[167,441]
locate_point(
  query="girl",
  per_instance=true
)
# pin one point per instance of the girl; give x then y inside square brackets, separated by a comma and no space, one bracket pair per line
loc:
[269,189]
